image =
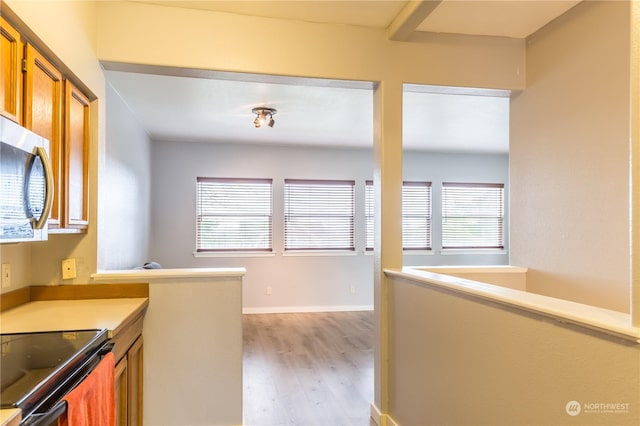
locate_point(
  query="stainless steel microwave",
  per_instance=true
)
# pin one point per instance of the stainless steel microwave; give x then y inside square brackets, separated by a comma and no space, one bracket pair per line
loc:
[26,184]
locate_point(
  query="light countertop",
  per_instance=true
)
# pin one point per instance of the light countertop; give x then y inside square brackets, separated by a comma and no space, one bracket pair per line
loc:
[61,315]
[10,417]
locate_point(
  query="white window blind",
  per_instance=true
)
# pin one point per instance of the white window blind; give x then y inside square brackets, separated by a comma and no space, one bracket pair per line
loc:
[369,214]
[472,215]
[319,215]
[234,214]
[416,215]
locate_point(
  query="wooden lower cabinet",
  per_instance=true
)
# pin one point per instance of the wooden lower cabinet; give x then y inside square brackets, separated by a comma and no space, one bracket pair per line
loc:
[122,392]
[134,376]
[128,351]
[129,387]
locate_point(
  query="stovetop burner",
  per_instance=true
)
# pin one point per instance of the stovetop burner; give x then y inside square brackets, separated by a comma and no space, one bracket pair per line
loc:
[34,364]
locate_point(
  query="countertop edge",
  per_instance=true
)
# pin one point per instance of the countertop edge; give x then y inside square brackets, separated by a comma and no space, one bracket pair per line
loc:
[131,318]
[152,274]
[10,416]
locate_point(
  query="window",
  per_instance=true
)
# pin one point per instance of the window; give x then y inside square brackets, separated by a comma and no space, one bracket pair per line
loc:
[416,215]
[318,215]
[233,214]
[472,215]
[369,214]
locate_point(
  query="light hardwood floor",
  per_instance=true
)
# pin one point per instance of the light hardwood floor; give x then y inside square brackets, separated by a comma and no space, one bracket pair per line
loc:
[308,369]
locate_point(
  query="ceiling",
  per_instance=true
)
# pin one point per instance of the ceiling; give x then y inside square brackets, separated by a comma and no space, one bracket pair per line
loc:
[217,107]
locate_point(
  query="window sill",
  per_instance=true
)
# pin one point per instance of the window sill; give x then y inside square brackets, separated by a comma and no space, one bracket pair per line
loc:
[417,252]
[407,252]
[449,252]
[319,253]
[233,254]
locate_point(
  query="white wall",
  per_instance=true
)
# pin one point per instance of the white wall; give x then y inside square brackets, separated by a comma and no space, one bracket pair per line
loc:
[135,33]
[19,257]
[298,282]
[461,359]
[193,351]
[569,158]
[124,219]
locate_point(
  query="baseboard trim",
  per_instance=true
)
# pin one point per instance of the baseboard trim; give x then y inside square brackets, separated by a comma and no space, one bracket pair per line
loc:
[302,309]
[381,419]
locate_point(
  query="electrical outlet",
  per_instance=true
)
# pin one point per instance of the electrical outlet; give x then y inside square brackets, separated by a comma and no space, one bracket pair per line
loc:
[269,291]
[352,289]
[68,269]
[6,275]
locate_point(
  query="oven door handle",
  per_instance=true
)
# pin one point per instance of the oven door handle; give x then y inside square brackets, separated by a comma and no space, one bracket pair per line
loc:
[108,347]
[47,418]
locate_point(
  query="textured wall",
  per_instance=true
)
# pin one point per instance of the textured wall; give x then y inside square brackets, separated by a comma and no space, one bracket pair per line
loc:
[569,158]
[124,219]
[462,360]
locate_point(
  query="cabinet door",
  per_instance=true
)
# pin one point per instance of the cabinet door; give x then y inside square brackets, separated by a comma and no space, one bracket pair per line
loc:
[122,392]
[10,72]
[76,158]
[43,115]
[135,363]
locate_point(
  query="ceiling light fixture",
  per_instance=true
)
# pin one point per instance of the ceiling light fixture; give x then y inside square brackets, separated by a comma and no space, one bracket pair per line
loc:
[264,116]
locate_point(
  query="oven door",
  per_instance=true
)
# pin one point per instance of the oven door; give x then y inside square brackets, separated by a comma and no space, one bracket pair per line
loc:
[52,405]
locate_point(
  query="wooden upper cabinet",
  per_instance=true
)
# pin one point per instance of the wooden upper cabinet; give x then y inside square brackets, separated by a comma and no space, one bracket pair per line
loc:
[43,115]
[76,158]
[10,72]
[36,94]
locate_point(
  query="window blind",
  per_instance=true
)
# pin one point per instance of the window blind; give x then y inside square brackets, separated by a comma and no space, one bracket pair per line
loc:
[319,215]
[234,214]
[416,215]
[369,214]
[472,215]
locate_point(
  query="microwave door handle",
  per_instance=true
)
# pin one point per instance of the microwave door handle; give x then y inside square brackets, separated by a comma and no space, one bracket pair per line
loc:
[42,153]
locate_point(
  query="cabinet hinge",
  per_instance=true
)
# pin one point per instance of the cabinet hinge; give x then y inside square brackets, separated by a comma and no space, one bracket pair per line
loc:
[24,65]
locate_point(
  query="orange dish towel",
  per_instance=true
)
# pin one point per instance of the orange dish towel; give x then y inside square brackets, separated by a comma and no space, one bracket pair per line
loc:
[92,402]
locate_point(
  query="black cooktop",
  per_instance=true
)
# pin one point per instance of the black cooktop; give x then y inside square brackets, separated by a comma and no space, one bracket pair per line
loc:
[32,363]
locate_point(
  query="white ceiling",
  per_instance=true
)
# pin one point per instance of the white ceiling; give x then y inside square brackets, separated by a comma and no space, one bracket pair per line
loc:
[216,107]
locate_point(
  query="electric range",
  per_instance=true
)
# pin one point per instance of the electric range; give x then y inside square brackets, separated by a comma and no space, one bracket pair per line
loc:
[39,369]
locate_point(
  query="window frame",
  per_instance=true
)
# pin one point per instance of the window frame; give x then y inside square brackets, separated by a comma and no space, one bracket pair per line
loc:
[498,216]
[290,215]
[260,182]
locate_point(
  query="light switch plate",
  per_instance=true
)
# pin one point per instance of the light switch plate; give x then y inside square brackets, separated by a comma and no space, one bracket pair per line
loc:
[68,269]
